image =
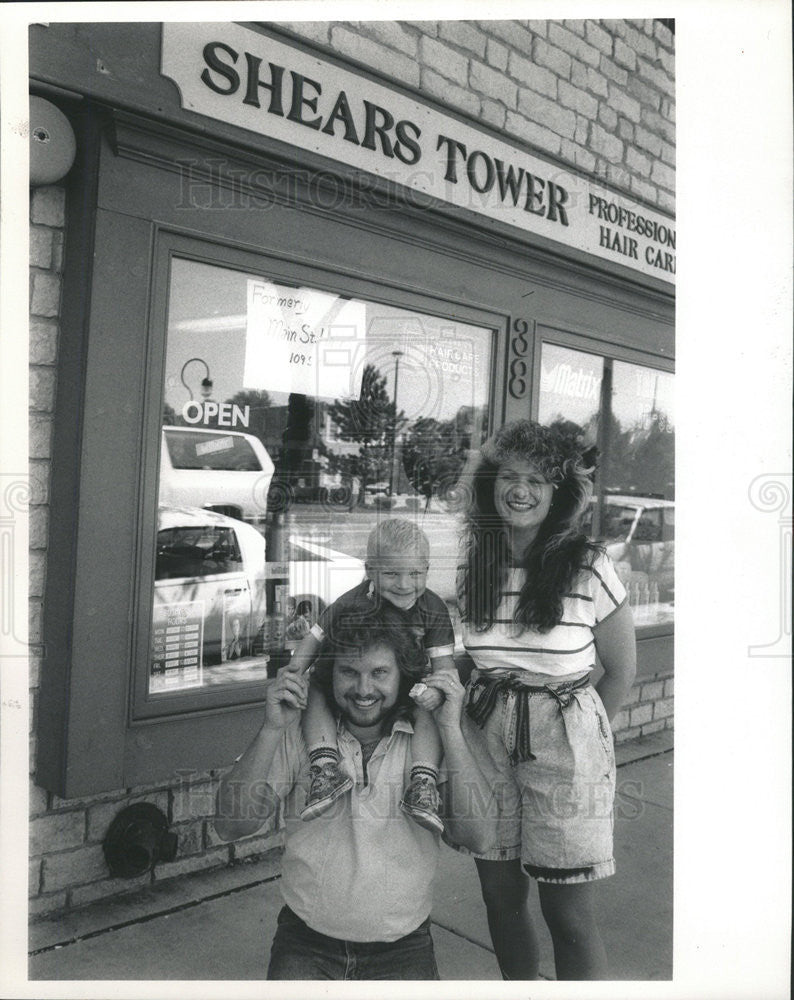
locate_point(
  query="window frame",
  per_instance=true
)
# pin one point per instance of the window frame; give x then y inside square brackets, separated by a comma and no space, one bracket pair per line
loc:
[170,244]
[594,344]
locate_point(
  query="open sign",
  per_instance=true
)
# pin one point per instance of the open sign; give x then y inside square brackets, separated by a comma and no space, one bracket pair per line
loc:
[216,414]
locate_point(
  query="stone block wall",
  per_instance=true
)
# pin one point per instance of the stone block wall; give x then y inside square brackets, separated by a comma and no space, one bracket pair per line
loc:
[647,709]
[67,867]
[599,95]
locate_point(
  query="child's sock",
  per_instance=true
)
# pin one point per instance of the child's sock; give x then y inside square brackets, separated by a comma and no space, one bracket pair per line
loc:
[424,770]
[323,754]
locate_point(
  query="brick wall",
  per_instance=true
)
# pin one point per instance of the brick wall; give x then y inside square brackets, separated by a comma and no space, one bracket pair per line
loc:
[647,709]
[598,94]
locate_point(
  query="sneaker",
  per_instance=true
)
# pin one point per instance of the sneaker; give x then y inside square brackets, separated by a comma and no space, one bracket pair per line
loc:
[421,802]
[328,782]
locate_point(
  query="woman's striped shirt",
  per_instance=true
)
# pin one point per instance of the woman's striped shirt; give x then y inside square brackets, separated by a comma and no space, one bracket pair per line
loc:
[569,647]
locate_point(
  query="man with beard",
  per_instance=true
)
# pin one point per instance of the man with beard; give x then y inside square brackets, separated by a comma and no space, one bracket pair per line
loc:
[357,881]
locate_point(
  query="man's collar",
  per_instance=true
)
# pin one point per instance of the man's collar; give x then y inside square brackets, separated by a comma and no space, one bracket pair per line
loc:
[403,725]
[400,725]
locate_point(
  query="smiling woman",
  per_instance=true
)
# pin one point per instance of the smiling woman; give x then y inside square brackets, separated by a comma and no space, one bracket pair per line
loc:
[540,601]
[522,496]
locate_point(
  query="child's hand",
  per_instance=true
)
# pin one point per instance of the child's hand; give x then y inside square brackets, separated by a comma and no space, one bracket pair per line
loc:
[426,697]
[304,656]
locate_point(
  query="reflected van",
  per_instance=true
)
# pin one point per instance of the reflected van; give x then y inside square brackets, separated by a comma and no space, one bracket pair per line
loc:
[638,533]
[225,471]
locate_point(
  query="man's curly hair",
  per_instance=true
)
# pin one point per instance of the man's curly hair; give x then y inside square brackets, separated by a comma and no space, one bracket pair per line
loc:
[559,550]
[361,636]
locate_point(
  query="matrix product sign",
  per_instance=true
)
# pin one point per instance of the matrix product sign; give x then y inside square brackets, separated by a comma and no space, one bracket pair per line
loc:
[237,75]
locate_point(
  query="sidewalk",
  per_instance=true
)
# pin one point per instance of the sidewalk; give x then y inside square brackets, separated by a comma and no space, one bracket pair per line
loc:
[219,925]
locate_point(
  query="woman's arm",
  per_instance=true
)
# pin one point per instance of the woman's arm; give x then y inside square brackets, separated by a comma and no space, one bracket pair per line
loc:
[245,800]
[616,646]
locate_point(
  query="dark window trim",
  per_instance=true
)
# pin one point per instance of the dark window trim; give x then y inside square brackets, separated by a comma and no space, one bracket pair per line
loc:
[604,349]
[144,708]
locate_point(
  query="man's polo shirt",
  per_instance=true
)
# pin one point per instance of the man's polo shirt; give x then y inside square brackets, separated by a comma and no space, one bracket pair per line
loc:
[362,871]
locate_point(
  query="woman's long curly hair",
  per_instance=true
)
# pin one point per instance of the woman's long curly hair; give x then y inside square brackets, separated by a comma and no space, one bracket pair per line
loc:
[560,548]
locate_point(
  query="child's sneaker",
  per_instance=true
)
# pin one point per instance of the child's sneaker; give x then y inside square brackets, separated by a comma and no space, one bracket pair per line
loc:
[421,802]
[328,782]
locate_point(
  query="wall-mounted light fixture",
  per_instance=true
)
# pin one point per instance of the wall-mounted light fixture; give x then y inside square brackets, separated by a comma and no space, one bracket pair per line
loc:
[52,143]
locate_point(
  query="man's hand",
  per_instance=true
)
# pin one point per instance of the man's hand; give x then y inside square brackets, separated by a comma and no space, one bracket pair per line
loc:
[286,697]
[425,697]
[447,683]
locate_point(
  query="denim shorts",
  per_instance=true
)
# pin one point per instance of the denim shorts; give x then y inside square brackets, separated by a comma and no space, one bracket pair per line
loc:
[298,952]
[555,810]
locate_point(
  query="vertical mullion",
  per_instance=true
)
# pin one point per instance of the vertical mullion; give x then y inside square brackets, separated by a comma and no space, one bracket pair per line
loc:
[603,444]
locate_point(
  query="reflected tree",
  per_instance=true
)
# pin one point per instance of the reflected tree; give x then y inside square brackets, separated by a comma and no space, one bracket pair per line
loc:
[639,459]
[372,422]
[653,456]
[434,454]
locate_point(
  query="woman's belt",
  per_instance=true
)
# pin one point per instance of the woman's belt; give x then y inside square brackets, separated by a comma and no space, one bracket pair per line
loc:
[484,692]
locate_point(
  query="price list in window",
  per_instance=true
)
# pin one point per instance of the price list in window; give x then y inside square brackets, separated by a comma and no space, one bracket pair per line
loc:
[177,641]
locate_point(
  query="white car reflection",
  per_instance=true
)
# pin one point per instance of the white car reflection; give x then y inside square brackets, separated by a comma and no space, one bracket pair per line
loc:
[220,470]
[210,600]
[639,535]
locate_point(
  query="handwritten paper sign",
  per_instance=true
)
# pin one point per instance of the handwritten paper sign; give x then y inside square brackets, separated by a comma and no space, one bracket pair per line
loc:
[303,340]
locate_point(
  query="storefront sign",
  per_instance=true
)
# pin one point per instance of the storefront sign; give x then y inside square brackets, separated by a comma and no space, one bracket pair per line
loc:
[565,380]
[303,341]
[239,76]
[212,414]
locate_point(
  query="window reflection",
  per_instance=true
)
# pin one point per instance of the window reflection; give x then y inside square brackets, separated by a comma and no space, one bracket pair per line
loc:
[309,416]
[622,414]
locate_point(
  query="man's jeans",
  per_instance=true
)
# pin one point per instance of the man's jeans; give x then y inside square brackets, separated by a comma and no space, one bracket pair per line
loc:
[298,952]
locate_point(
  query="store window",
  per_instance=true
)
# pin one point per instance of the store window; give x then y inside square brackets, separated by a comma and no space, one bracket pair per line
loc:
[314,411]
[622,413]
